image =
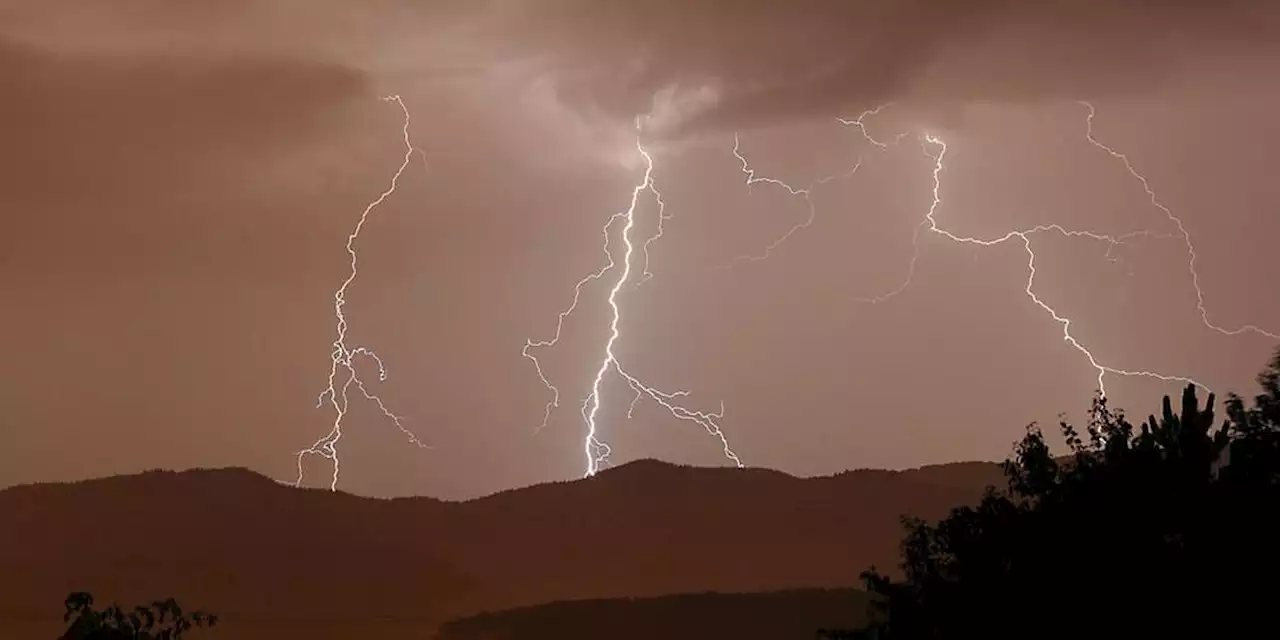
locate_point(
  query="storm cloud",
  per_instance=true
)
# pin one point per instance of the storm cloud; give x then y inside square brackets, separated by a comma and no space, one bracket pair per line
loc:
[780,61]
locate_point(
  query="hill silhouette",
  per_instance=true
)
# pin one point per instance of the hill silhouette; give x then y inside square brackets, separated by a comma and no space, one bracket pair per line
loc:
[743,616]
[277,560]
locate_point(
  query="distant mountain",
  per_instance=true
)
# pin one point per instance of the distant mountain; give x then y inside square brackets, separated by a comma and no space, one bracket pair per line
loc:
[779,615]
[282,562]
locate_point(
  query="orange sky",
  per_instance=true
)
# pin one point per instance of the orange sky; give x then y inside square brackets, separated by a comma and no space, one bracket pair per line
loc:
[179,179]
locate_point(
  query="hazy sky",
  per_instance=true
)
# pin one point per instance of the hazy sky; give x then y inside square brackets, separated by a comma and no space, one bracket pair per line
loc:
[180,178]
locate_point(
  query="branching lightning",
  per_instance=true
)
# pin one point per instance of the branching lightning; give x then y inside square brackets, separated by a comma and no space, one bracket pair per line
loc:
[342,368]
[595,449]
[930,223]
[620,227]
[806,194]
[862,126]
[663,216]
[1182,231]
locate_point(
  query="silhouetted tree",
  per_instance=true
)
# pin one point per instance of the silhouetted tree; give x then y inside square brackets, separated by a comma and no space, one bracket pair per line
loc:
[1164,530]
[161,620]
[1256,430]
[837,634]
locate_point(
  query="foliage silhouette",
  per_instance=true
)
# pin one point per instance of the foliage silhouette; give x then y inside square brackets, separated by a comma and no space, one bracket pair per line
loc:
[161,620]
[1163,530]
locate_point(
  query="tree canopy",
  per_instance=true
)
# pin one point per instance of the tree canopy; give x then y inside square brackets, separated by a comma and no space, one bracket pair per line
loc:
[1164,528]
[160,620]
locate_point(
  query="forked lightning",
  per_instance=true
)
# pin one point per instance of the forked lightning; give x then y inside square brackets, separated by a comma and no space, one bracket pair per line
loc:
[343,358]
[594,448]
[1182,231]
[806,194]
[343,374]
[930,223]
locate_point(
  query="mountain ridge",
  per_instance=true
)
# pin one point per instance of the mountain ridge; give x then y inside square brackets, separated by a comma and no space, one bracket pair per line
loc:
[745,616]
[262,552]
[629,466]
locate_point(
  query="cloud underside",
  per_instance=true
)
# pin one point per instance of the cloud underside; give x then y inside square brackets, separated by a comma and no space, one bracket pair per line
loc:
[762,60]
[727,64]
[770,61]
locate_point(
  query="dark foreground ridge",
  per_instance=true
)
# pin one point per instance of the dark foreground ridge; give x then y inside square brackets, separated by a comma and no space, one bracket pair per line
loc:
[742,616]
[275,561]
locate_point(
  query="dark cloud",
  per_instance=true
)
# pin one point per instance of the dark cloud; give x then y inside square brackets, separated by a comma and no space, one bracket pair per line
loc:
[113,150]
[768,59]
[780,60]
[121,112]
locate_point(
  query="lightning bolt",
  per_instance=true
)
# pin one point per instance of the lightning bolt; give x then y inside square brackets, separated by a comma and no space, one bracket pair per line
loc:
[862,126]
[597,452]
[342,367]
[1182,230]
[806,194]
[663,216]
[930,223]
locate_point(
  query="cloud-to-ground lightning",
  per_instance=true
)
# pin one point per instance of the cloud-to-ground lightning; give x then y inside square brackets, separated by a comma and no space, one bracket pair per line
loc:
[930,223]
[595,449]
[342,367]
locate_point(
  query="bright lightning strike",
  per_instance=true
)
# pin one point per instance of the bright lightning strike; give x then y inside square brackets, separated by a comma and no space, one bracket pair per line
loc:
[595,449]
[930,223]
[1182,230]
[342,368]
